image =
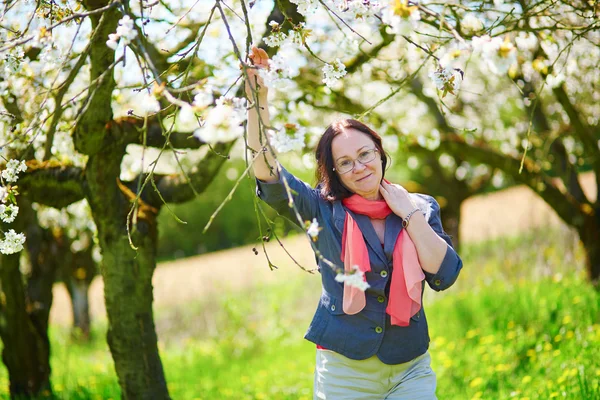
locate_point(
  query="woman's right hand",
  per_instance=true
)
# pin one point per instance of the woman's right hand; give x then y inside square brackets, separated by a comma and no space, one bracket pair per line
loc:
[259,59]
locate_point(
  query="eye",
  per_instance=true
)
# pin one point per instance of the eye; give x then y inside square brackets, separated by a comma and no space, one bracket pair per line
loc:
[364,154]
[345,163]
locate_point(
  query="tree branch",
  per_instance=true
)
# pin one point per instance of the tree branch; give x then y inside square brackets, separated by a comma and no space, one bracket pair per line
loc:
[132,130]
[565,205]
[176,188]
[52,184]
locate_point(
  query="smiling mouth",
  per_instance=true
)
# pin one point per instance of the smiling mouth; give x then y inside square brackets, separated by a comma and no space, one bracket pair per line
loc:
[363,178]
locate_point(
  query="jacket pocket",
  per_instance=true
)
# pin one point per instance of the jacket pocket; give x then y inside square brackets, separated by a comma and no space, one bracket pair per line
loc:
[332,304]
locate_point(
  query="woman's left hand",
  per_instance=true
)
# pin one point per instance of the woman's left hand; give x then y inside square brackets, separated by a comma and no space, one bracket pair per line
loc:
[397,198]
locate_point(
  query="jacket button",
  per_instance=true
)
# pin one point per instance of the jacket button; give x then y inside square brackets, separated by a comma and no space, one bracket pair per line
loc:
[379,329]
[333,307]
[383,274]
[437,282]
[380,299]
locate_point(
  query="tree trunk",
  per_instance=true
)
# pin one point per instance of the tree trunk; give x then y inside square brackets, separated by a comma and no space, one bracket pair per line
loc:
[127,275]
[451,222]
[78,275]
[589,234]
[24,310]
[26,351]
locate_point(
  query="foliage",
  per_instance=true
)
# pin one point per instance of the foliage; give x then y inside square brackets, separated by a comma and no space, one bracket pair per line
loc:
[517,326]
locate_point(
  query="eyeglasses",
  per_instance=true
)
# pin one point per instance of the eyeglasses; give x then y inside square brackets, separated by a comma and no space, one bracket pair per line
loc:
[365,157]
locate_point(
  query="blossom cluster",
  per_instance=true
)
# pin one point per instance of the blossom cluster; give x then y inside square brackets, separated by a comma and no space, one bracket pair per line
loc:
[499,54]
[12,241]
[312,229]
[224,121]
[288,138]
[278,73]
[277,37]
[125,31]
[356,279]
[446,79]
[333,72]
[402,18]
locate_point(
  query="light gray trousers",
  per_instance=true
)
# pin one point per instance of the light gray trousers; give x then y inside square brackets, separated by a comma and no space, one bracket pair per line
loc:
[340,378]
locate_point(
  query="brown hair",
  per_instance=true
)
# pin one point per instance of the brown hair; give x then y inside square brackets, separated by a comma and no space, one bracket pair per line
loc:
[327,179]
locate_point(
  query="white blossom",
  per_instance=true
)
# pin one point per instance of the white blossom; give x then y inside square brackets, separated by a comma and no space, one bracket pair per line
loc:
[12,242]
[313,229]
[446,79]
[332,72]
[358,9]
[471,24]
[526,41]
[8,213]
[278,74]
[125,31]
[555,81]
[224,121]
[13,167]
[402,18]
[499,54]
[275,39]
[288,138]
[355,279]
[306,7]
[3,194]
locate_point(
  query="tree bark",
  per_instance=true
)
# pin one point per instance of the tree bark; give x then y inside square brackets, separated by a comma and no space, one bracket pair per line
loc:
[127,275]
[78,274]
[24,315]
[589,234]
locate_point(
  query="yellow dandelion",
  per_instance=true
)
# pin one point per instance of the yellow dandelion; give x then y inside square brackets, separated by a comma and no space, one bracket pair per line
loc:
[531,353]
[476,382]
[576,299]
[547,346]
[511,325]
[502,367]
[477,395]
[486,340]
[511,335]
[471,333]
[569,335]
[556,353]
[567,319]
[558,338]
[526,379]
[553,395]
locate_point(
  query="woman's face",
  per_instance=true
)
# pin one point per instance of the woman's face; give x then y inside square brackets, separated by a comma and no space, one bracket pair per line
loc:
[363,180]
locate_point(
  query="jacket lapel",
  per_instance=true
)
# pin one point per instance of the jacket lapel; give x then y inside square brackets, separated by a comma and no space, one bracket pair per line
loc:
[393,226]
[364,223]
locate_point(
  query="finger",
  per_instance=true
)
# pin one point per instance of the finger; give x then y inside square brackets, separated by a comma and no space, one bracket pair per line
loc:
[383,191]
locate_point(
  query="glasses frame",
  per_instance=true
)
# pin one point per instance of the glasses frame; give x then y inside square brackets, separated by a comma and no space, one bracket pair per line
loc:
[375,150]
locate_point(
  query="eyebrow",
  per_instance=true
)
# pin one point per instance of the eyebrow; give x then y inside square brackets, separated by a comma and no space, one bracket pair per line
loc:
[349,156]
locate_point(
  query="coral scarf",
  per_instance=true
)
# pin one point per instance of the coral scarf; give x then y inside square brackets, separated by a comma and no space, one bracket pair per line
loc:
[405,291]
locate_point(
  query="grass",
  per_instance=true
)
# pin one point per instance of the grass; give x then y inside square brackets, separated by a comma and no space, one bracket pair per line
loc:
[521,323]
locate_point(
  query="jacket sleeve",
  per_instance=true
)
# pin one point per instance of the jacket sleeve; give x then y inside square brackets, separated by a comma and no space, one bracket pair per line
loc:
[452,264]
[305,198]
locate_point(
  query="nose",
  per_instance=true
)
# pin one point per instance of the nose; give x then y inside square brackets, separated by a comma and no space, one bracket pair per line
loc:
[358,167]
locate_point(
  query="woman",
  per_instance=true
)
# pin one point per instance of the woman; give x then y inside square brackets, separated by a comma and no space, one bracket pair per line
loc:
[371,344]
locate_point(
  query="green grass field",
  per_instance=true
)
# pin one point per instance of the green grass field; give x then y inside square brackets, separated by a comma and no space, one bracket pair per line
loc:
[521,323]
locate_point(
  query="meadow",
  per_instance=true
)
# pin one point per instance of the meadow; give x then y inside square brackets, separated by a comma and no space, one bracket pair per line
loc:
[520,323]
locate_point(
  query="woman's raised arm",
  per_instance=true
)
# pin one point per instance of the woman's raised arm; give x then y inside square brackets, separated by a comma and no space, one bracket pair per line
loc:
[264,166]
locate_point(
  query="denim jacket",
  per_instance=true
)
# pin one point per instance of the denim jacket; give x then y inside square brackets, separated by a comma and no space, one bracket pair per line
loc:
[368,332]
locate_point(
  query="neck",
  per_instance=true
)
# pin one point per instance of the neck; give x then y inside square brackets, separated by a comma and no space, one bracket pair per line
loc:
[373,196]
